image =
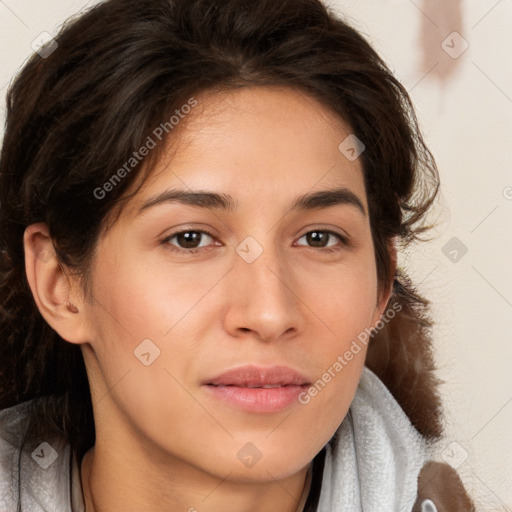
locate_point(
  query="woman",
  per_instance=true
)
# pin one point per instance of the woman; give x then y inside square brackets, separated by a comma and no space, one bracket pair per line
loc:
[201,205]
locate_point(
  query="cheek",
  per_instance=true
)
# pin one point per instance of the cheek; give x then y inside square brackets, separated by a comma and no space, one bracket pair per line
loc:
[343,302]
[139,300]
[343,298]
[134,314]
[136,302]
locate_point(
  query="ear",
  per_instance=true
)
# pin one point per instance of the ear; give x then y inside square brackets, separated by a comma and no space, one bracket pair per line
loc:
[55,293]
[385,294]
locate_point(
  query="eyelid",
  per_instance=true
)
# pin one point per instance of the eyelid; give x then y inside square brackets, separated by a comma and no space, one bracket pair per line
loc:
[345,239]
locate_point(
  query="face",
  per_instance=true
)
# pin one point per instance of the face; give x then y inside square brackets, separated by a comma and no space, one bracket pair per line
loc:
[257,281]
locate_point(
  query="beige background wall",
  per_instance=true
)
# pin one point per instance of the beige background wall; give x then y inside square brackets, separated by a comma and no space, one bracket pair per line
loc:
[467,121]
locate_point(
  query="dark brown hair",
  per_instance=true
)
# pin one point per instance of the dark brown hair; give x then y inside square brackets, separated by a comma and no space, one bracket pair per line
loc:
[122,68]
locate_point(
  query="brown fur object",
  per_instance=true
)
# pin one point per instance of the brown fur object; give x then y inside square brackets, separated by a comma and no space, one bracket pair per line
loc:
[441,484]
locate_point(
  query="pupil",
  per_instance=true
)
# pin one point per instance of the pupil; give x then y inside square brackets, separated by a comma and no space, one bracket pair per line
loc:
[189,239]
[315,238]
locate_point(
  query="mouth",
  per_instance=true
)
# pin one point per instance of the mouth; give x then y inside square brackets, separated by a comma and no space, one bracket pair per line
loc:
[256,389]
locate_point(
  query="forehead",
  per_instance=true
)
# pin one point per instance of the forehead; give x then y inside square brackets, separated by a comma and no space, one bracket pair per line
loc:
[256,143]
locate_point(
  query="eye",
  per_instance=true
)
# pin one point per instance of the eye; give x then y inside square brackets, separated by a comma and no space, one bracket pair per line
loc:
[320,238]
[188,241]
[192,241]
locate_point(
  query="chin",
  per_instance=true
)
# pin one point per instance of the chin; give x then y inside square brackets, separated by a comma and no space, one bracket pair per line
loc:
[248,464]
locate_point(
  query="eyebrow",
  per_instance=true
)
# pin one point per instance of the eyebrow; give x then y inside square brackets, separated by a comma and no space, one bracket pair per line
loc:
[219,201]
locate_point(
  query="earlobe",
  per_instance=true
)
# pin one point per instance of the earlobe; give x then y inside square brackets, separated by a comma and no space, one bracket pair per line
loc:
[51,287]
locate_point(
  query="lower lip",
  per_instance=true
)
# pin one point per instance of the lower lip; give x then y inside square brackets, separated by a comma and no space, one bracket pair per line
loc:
[258,399]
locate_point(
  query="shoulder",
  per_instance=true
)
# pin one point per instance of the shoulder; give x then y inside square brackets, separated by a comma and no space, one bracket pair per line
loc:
[38,468]
[12,427]
[441,484]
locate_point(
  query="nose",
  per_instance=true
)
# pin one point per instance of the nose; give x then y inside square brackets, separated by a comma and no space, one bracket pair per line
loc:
[263,298]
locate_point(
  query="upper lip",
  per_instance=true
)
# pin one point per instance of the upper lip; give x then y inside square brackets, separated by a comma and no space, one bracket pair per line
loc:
[255,376]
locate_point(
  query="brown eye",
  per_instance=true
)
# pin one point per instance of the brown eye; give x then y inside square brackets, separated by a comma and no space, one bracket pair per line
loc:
[321,238]
[188,241]
[318,238]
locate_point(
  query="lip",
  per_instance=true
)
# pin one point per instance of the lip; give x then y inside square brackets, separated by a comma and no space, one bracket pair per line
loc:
[241,388]
[258,376]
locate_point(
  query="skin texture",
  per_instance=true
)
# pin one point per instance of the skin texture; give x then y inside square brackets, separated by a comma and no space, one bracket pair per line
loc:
[162,443]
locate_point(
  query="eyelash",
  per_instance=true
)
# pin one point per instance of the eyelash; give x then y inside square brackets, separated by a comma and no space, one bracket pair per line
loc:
[173,248]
